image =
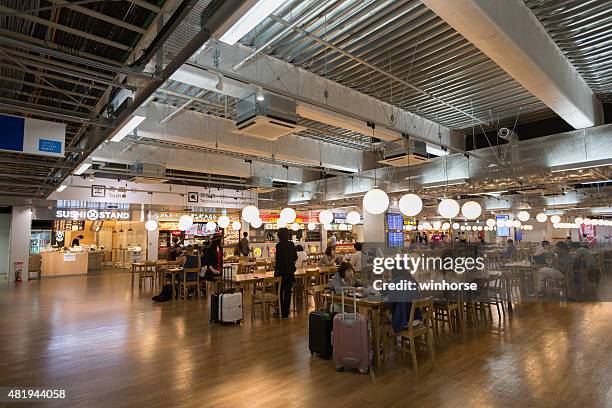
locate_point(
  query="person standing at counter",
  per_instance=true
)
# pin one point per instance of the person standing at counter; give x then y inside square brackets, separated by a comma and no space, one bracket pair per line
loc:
[286,255]
[245,249]
[77,241]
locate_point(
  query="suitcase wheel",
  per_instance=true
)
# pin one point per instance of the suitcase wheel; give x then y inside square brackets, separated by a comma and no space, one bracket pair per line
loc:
[365,371]
[339,369]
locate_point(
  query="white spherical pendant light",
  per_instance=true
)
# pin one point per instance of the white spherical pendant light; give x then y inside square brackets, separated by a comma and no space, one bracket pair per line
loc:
[236,225]
[343,227]
[490,223]
[327,227]
[250,212]
[410,205]
[541,217]
[474,227]
[376,201]
[311,226]
[353,217]
[223,221]
[462,228]
[445,226]
[516,223]
[326,217]
[288,214]
[455,225]
[500,223]
[211,226]
[586,221]
[508,223]
[436,225]
[281,224]
[151,225]
[256,223]
[555,219]
[471,210]
[523,216]
[479,228]
[185,222]
[448,208]
[295,226]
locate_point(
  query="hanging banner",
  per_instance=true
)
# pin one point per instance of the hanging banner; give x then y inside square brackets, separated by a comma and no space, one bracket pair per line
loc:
[33,136]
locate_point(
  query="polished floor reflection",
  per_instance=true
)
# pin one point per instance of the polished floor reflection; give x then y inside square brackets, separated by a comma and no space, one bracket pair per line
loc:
[109,345]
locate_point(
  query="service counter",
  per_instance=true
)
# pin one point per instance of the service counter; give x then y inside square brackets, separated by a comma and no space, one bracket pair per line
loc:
[268,249]
[55,264]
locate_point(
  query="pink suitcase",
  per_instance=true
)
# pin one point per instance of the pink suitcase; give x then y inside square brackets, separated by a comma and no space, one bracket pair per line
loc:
[351,339]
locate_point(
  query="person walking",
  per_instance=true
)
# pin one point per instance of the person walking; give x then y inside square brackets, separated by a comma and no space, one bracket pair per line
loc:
[286,255]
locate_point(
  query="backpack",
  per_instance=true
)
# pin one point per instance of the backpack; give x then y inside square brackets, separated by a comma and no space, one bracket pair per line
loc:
[165,295]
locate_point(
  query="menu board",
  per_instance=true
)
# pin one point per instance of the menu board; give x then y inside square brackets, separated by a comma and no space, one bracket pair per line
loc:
[68,225]
[395,239]
[395,221]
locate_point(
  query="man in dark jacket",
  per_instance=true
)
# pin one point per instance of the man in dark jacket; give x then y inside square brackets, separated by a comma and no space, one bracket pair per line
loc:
[286,255]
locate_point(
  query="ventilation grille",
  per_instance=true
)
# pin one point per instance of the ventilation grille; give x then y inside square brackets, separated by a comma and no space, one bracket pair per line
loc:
[148,180]
[404,160]
[266,128]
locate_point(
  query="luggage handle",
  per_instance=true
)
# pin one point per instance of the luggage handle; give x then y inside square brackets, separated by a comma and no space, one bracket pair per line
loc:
[349,289]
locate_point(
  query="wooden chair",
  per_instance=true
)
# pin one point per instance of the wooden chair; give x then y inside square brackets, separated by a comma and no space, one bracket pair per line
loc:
[447,313]
[420,332]
[317,293]
[147,271]
[184,285]
[266,293]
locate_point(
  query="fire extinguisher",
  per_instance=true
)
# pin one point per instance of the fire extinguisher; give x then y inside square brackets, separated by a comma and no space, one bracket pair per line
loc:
[18,268]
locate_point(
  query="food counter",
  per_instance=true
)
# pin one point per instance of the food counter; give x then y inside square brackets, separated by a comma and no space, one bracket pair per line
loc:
[63,264]
[71,263]
[267,249]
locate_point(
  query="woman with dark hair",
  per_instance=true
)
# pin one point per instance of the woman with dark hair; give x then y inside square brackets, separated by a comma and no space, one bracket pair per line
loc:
[328,258]
[302,257]
[344,278]
[286,255]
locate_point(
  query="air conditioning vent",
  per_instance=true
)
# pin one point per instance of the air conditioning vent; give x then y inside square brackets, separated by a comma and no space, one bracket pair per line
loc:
[266,128]
[410,154]
[147,180]
[404,160]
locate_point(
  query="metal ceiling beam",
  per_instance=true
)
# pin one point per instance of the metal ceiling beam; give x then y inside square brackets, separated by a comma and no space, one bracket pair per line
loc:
[33,162]
[146,5]
[66,29]
[373,67]
[49,88]
[100,16]
[509,33]
[92,62]
[216,13]
[26,107]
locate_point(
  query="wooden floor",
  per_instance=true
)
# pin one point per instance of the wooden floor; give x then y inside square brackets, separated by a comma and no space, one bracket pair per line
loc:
[110,346]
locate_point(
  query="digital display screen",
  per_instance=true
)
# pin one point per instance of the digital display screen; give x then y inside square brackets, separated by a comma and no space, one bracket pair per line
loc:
[395,239]
[395,222]
[502,231]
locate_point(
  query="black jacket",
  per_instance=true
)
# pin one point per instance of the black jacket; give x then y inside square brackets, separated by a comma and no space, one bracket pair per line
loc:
[286,255]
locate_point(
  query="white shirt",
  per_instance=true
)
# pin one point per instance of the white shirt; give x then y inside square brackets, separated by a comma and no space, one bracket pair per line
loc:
[356,261]
[302,257]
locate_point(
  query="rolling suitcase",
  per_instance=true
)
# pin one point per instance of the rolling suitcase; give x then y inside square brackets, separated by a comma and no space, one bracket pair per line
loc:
[351,335]
[320,324]
[230,307]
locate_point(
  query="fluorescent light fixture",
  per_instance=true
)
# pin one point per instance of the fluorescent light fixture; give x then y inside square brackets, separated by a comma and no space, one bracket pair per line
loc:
[596,182]
[256,14]
[443,183]
[61,188]
[81,169]
[435,150]
[219,85]
[581,165]
[128,127]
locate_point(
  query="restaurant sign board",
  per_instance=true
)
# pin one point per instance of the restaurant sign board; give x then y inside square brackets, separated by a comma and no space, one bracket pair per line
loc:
[92,215]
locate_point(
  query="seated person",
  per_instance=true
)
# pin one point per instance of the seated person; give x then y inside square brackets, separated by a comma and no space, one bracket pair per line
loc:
[328,258]
[509,251]
[189,260]
[542,254]
[344,278]
[561,265]
[399,302]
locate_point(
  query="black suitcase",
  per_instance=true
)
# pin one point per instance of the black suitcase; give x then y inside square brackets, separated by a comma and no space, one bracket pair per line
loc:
[320,324]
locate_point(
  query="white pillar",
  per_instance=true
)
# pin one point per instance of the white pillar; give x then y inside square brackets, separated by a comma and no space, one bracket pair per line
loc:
[153,241]
[19,250]
[373,228]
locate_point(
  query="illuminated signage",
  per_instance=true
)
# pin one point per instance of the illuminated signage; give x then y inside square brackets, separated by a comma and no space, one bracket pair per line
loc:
[92,215]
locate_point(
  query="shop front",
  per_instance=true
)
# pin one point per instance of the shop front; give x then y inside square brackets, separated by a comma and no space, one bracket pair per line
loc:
[305,231]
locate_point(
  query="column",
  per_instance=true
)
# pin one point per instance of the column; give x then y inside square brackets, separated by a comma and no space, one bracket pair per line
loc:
[373,228]
[19,249]
[153,241]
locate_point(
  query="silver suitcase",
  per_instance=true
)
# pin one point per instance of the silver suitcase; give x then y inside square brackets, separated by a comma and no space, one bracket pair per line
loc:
[230,307]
